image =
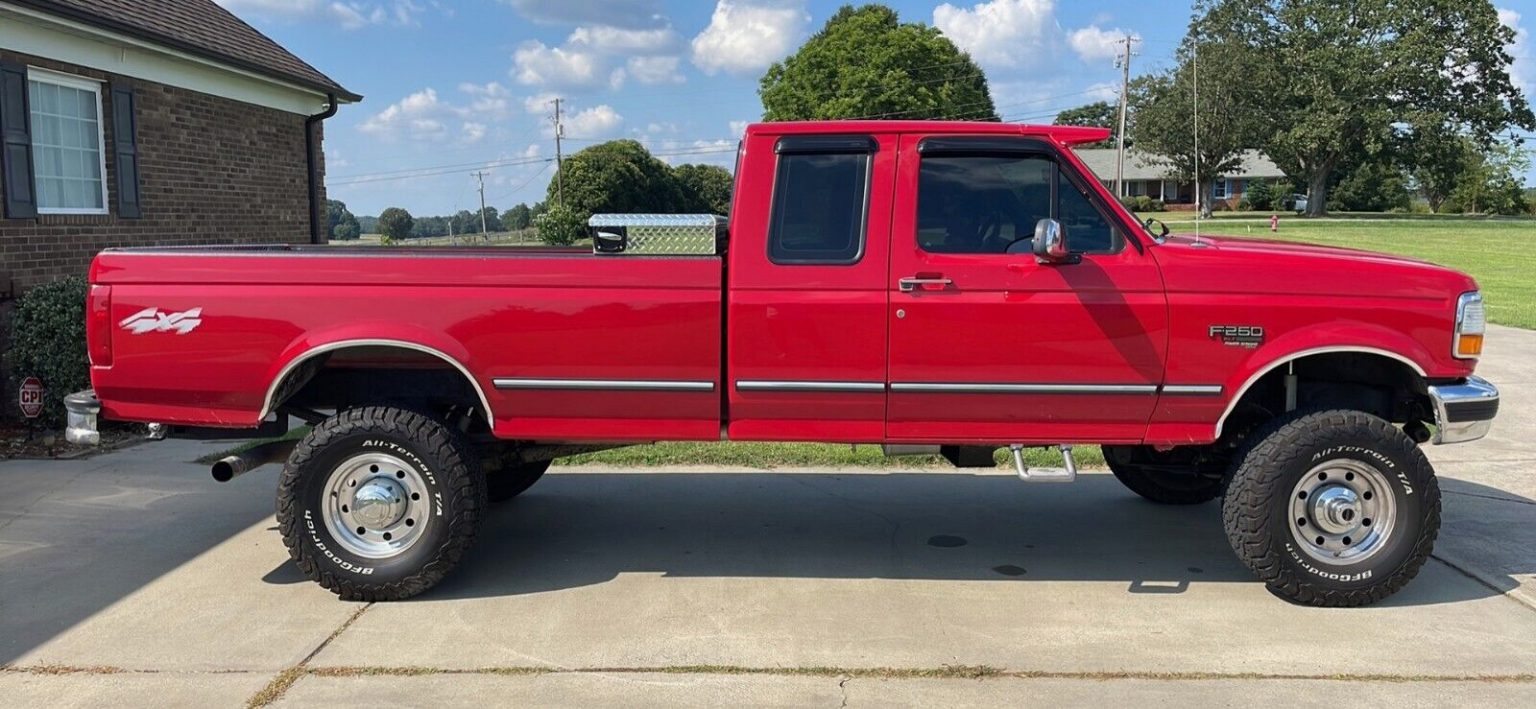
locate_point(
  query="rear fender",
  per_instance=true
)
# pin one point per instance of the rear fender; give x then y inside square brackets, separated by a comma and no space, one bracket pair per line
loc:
[437,344]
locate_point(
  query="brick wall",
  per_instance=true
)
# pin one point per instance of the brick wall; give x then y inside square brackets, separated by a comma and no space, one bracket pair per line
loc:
[212,171]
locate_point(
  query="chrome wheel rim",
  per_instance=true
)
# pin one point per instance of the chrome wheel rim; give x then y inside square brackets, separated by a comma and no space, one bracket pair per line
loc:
[1343,512]
[375,505]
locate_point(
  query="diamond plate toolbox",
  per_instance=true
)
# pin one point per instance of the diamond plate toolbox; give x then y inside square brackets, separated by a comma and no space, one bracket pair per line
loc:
[658,234]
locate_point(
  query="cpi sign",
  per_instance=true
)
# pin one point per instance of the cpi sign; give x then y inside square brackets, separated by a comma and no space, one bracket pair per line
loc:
[32,397]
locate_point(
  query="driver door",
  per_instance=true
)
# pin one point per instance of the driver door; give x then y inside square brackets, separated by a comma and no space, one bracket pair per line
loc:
[989,346]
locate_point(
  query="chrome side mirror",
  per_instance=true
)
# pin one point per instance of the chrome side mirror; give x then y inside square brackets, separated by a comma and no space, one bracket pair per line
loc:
[1051,244]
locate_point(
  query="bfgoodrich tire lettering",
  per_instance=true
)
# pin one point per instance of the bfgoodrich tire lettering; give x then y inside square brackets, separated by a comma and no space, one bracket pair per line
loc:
[1267,533]
[448,500]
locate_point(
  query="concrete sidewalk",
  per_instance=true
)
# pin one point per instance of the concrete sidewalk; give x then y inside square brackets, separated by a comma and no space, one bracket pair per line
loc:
[132,579]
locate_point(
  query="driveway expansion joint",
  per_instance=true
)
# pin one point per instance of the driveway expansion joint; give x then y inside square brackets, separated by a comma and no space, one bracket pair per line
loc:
[275,689]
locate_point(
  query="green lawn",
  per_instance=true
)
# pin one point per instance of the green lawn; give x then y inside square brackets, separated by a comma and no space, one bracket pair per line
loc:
[1499,253]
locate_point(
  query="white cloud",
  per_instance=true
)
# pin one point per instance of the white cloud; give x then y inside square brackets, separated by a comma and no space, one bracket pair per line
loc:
[350,15]
[490,100]
[425,116]
[622,13]
[537,64]
[655,70]
[615,40]
[1001,33]
[1103,91]
[744,38]
[1523,71]
[596,123]
[472,132]
[1094,44]
[583,60]
[739,128]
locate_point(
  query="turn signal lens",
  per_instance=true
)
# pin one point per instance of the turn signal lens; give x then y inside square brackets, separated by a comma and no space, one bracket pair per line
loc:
[1471,325]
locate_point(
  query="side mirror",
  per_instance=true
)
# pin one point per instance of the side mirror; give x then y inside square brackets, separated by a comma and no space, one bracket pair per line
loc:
[1051,244]
[1157,228]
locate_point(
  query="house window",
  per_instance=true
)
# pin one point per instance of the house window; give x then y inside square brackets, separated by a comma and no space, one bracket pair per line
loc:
[1222,189]
[1133,188]
[69,162]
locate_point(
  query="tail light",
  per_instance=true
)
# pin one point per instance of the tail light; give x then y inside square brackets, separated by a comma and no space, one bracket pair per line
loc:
[1471,324]
[98,325]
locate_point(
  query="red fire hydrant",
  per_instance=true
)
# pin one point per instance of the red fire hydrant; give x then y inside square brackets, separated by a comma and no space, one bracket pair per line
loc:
[1274,222]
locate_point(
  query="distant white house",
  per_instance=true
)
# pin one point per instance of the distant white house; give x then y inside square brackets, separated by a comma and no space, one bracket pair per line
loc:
[1144,176]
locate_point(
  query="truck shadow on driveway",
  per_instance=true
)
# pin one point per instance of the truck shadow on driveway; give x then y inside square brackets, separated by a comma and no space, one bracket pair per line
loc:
[578,529]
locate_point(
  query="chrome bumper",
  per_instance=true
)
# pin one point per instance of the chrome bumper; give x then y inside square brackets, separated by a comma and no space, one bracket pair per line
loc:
[1464,411]
[81,410]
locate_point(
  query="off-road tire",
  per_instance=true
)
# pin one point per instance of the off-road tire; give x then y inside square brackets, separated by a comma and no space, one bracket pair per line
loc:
[1256,510]
[513,480]
[1159,485]
[456,495]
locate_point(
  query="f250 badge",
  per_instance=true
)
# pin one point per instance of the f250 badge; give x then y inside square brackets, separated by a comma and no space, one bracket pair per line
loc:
[152,320]
[1245,336]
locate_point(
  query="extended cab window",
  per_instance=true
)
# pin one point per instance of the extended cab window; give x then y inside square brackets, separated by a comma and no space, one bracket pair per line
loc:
[820,199]
[990,204]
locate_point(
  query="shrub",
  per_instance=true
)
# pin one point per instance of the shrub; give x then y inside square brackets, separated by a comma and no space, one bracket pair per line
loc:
[1157,205]
[562,226]
[1262,195]
[1129,202]
[48,342]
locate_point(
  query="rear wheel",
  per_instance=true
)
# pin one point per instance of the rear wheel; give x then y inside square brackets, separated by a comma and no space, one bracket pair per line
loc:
[379,503]
[1336,508]
[514,480]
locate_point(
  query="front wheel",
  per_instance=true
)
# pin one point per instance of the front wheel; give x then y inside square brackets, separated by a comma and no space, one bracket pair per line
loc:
[379,503]
[1334,508]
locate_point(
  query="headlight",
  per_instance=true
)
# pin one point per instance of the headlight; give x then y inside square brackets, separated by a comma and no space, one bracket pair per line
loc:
[1471,324]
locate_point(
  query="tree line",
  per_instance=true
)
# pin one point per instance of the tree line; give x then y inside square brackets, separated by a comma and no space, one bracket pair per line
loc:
[1363,104]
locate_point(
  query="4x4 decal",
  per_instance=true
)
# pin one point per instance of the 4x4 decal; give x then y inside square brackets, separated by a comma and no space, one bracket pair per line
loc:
[152,320]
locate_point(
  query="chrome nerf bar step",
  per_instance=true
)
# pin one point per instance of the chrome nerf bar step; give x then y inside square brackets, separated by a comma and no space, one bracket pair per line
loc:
[1065,474]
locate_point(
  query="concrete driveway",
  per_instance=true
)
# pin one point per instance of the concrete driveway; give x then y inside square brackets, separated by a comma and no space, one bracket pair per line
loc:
[133,579]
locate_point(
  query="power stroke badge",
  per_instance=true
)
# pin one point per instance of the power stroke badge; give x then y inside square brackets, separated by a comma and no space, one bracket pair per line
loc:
[1245,336]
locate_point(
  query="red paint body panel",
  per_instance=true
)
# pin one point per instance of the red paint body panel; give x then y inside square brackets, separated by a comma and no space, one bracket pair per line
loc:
[1138,318]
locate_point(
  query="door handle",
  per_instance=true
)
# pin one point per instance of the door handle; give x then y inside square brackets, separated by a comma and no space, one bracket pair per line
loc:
[913,283]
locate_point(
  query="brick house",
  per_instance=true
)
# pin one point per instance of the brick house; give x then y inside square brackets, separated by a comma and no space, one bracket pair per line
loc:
[1144,176]
[139,122]
[129,122]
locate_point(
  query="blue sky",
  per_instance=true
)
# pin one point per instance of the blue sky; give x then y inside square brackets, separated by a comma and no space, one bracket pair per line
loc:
[452,84]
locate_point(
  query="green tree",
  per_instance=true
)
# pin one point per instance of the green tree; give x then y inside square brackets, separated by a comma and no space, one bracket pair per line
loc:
[1492,182]
[396,223]
[1168,128]
[866,63]
[619,176]
[1329,80]
[1099,114]
[466,222]
[1440,157]
[706,188]
[1376,184]
[517,218]
[1262,195]
[493,220]
[338,216]
[562,226]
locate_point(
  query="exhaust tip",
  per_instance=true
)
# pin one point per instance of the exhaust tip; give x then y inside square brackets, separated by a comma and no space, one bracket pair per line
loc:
[226,469]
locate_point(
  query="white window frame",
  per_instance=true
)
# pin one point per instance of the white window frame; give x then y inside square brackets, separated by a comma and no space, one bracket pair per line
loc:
[1222,189]
[72,81]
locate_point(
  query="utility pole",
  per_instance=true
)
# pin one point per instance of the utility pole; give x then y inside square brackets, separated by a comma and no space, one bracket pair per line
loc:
[1125,104]
[559,158]
[484,233]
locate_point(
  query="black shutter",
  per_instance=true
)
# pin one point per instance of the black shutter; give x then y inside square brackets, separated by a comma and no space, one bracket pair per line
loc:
[125,145]
[16,146]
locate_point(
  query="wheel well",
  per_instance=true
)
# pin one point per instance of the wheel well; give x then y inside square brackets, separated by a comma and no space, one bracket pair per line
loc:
[1362,381]
[394,374]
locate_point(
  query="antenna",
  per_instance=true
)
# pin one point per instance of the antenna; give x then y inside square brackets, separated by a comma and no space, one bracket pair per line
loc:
[1199,190]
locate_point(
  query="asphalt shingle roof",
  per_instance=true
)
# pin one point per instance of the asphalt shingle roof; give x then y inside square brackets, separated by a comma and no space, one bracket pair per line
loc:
[199,27]
[1138,166]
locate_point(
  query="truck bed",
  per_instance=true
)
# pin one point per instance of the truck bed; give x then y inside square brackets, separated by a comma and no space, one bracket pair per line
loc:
[527,325]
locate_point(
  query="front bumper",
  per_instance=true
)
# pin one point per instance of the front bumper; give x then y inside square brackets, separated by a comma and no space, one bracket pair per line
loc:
[1463,411]
[81,411]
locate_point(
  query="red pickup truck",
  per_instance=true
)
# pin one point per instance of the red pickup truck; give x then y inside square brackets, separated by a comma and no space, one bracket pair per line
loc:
[947,287]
